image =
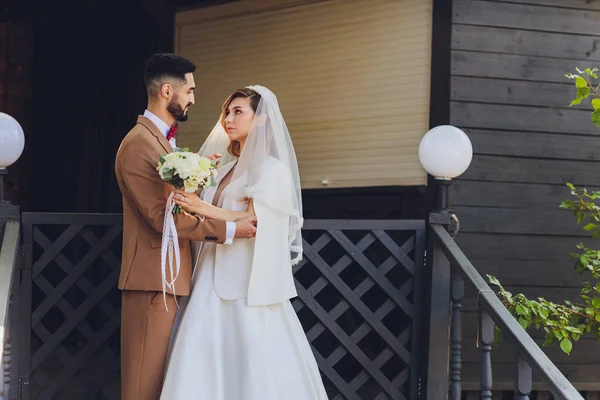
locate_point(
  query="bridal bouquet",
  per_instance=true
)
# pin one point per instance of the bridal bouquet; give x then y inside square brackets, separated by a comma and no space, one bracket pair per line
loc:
[186,170]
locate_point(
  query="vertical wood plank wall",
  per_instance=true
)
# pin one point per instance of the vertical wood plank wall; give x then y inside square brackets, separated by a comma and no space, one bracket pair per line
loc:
[16,63]
[509,93]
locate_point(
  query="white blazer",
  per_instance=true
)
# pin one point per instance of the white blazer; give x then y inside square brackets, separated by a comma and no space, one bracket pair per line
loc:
[258,269]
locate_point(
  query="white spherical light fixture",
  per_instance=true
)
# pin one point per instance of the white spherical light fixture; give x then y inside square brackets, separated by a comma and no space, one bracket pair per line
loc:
[12,140]
[445,152]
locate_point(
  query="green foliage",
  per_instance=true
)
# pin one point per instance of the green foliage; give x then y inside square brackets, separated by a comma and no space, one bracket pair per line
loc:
[566,323]
[563,323]
[586,85]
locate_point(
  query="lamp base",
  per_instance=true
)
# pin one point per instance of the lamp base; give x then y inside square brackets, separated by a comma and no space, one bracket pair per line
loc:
[3,172]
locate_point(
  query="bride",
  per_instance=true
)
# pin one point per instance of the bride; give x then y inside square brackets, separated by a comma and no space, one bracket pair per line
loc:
[239,337]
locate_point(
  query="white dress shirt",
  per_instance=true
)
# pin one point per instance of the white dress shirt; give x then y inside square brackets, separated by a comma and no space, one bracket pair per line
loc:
[161,125]
[164,128]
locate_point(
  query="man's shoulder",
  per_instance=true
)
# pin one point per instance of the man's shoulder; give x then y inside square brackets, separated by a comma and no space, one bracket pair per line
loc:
[137,136]
[139,141]
[139,133]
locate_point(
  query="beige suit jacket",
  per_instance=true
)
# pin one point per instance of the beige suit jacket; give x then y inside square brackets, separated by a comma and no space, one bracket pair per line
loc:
[144,198]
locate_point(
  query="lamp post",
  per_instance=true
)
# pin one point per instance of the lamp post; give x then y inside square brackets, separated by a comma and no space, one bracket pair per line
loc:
[12,142]
[445,152]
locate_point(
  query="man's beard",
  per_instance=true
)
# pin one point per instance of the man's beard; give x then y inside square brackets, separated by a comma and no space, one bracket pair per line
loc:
[176,110]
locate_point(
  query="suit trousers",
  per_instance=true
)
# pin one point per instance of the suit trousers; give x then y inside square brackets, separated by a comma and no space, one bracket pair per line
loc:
[146,328]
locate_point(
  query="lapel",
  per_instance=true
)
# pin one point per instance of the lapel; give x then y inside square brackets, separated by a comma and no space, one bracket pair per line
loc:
[224,170]
[153,129]
[225,197]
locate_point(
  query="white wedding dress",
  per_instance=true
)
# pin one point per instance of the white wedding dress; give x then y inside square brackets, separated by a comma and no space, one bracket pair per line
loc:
[227,350]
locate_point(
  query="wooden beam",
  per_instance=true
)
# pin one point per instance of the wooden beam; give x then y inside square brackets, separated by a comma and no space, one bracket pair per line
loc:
[517,247]
[577,4]
[532,17]
[540,196]
[532,170]
[511,66]
[517,118]
[517,92]
[525,42]
[543,145]
[518,221]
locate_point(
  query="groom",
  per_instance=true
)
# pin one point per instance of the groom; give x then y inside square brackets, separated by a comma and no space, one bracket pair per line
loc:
[145,324]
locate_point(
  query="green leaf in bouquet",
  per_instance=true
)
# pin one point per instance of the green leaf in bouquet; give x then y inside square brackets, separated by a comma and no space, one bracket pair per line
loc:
[167,173]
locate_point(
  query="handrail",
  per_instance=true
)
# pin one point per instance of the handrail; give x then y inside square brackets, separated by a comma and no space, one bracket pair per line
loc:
[9,256]
[8,262]
[489,302]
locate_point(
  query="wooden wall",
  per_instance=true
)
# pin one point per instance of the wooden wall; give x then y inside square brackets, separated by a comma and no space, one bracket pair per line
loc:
[16,59]
[87,90]
[509,93]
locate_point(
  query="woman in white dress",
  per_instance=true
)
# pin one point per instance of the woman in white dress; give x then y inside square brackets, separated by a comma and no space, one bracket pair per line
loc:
[239,337]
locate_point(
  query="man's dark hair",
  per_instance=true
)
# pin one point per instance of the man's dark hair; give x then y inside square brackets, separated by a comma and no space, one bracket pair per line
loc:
[164,68]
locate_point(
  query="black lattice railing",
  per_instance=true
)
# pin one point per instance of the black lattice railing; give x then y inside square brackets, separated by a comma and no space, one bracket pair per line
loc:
[72,262]
[356,301]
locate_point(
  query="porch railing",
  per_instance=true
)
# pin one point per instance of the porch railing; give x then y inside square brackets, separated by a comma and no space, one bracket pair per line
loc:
[359,301]
[9,255]
[451,271]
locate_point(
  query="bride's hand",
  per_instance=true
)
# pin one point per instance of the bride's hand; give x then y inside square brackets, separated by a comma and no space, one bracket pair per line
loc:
[190,202]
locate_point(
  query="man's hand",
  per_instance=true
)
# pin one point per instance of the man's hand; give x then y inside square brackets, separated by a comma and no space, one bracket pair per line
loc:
[245,227]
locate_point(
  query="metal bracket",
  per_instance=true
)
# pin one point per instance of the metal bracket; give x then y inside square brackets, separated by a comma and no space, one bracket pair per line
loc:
[439,218]
[447,218]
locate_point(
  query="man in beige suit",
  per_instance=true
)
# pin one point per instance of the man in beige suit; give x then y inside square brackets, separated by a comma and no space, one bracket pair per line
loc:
[146,325]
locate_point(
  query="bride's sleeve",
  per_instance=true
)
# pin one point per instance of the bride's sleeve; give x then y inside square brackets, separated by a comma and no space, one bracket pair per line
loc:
[272,279]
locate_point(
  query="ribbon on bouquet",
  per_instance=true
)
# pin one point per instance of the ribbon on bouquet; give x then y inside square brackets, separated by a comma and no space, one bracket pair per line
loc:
[169,250]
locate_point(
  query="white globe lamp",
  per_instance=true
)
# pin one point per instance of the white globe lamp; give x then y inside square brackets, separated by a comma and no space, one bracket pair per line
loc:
[445,152]
[12,142]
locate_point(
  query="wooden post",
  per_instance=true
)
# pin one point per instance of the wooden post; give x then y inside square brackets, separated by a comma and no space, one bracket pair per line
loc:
[524,380]
[458,293]
[486,337]
[439,275]
[439,322]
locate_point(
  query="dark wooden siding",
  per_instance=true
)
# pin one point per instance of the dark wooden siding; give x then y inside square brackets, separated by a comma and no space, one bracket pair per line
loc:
[508,92]
[16,62]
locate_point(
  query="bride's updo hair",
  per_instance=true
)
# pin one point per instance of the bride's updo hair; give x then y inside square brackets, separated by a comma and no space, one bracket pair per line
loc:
[234,147]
